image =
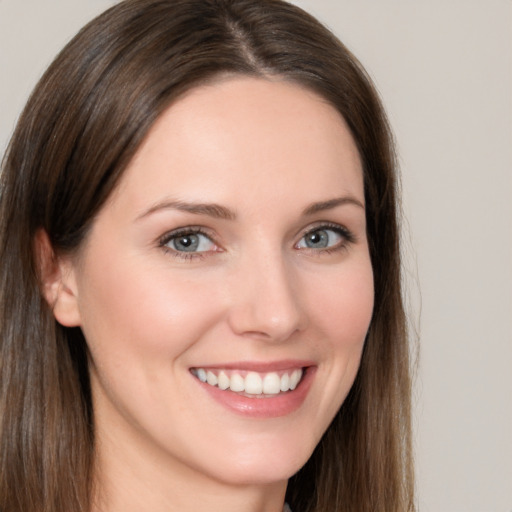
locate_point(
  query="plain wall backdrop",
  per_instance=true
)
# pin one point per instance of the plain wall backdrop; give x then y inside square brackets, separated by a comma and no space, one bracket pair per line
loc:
[444,70]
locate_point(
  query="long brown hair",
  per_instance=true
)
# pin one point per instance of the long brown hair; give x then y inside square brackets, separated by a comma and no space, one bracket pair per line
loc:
[82,125]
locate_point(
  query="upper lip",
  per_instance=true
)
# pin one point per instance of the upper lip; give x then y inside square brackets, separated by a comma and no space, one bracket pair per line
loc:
[260,366]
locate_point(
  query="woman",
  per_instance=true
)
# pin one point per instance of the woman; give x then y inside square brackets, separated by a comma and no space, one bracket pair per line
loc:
[200,281]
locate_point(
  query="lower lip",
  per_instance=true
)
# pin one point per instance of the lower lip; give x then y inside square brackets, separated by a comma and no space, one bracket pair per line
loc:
[263,407]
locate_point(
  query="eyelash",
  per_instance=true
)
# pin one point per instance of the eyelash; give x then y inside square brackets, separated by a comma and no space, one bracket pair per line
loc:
[347,239]
[347,236]
[191,230]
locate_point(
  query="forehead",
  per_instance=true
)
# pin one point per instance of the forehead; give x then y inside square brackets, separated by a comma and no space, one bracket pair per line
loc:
[237,136]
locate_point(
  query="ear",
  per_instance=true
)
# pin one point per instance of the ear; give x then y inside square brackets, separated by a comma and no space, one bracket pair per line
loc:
[58,282]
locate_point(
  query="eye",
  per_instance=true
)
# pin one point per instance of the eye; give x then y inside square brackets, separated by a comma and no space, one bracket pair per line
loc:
[325,237]
[188,241]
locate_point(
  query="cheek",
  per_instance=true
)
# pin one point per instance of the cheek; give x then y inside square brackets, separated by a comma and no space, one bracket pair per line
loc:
[148,311]
[343,305]
[343,311]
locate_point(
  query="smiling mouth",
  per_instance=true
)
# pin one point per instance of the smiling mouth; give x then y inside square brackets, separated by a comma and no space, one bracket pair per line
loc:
[249,383]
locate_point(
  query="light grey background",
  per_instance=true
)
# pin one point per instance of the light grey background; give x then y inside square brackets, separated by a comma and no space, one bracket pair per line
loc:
[444,70]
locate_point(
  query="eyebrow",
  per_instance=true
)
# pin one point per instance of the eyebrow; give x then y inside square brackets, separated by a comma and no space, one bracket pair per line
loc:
[218,211]
[332,203]
[210,209]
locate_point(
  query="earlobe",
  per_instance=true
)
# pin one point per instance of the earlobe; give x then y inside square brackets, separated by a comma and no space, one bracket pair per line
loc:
[57,281]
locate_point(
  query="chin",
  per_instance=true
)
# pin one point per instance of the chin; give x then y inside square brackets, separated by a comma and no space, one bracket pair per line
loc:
[264,463]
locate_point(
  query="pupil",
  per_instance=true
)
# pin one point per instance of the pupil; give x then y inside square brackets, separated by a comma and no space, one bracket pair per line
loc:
[317,239]
[187,243]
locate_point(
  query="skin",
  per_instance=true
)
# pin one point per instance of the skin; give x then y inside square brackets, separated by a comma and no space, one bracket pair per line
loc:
[266,151]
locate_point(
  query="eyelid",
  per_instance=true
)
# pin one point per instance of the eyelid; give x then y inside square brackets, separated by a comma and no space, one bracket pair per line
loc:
[340,228]
[347,235]
[187,230]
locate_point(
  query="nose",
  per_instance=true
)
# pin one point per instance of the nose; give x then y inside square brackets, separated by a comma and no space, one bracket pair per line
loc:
[264,300]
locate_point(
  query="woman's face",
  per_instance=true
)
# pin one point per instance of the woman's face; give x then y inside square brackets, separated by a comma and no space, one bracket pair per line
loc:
[234,250]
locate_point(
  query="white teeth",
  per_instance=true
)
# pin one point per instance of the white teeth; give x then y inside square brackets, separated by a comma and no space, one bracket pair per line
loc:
[253,383]
[295,378]
[223,381]
[285,382]
[237,383]
[271,384]
[211,378]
